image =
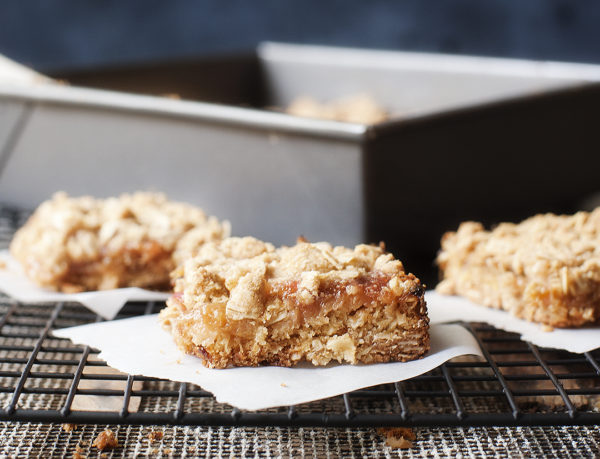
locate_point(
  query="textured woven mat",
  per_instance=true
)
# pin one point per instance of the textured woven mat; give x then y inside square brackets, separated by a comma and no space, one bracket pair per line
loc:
[43,440]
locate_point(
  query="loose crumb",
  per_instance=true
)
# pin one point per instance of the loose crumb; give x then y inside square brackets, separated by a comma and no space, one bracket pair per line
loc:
[155,435]
[167,451]
[283,384]
[178,361]
[547,328]
[67,427]
[398,437]
[77,454]
[2,265]
[106,440]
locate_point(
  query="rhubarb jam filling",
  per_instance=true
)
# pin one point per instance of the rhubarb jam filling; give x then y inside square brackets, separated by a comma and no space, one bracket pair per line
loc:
[370,290]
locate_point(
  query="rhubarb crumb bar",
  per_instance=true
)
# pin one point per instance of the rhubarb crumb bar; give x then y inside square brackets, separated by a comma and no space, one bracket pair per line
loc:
[545,269]
[76,244]
[242,302]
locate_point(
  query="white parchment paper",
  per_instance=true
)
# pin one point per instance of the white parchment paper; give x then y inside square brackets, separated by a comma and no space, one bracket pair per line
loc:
[444,308]
[139,346]
[106,303]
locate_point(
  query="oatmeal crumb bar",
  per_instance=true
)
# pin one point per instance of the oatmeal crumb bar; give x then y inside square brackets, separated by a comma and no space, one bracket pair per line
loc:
[76,244]
[545,269]
[242,302]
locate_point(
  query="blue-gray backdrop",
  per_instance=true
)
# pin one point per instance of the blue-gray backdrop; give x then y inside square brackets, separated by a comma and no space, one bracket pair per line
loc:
[62,34]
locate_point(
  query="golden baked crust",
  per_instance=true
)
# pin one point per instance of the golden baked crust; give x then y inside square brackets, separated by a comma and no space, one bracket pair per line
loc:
[241,302]
[545,269]
[75,244]
[359,108]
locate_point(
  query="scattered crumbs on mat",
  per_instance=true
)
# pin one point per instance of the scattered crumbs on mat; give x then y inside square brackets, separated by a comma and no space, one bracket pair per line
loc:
[2,264]
[398,437]
[155,435]
[67,427]
[106,440]
[167,451]
[178,361]
[283,384]
[78,452]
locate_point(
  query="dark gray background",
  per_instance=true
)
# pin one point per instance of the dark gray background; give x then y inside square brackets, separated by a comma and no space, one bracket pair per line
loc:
[69,34]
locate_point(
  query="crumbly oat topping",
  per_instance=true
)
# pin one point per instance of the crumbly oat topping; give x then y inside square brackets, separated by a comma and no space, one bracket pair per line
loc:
[241,300]
[359,108]
[192,240]
[545,269]
[242,266]
[72,240]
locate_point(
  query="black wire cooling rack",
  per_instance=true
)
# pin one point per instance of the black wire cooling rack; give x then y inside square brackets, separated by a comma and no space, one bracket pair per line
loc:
[47,379]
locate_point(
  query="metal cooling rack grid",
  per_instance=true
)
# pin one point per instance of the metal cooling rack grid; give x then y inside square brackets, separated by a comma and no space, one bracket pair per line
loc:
[516,384]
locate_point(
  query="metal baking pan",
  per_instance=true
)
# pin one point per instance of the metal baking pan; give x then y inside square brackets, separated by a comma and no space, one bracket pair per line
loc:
[474,138]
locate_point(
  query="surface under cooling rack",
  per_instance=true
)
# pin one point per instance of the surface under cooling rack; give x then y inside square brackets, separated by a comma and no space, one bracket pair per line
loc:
[43,378]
